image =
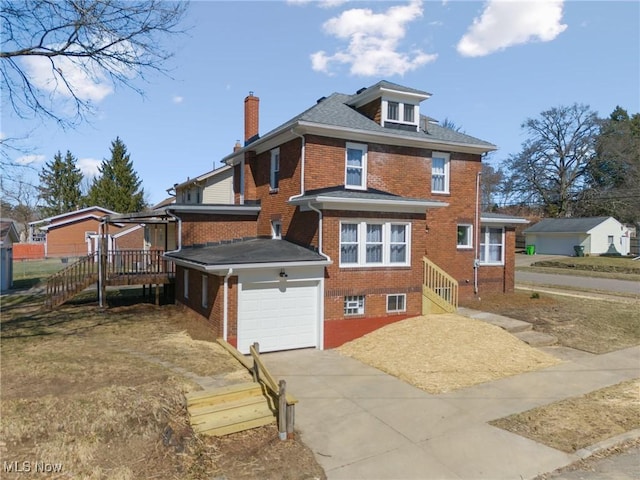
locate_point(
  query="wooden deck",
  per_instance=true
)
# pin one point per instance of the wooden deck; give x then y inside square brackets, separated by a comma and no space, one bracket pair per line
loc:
[118,268]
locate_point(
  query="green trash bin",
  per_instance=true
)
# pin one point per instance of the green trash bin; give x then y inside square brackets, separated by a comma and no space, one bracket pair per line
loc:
[531,249]
[579,250]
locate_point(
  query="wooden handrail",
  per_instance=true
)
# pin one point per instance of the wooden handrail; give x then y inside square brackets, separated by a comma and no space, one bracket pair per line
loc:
[439,286]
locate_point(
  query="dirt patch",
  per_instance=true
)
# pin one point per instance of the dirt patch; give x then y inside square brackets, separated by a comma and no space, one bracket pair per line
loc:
[441,353]
[592,325]
[102,394]
[575,423]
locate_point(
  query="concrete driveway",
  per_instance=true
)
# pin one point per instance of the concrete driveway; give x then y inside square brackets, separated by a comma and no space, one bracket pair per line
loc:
[364,424]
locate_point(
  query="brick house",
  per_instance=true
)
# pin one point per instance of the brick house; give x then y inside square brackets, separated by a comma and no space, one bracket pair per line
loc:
[74,234]
[334,213]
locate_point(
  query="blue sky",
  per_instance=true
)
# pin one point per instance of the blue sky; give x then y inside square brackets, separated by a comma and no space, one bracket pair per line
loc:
[489,66]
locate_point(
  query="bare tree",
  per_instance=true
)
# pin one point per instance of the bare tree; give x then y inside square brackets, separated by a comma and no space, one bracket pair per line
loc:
[551,168]
[20,198]
[48,45]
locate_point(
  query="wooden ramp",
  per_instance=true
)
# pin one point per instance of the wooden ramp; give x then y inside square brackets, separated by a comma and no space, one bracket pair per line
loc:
[230,409]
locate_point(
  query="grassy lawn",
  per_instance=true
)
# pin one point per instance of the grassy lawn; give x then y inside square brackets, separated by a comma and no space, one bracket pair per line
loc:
[622,268]
[576,423]
[102,394]
[596,326]
[28,273]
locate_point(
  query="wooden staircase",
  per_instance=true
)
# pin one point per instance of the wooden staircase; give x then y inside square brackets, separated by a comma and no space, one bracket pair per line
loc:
[439,290]
[68,282]
[231,409]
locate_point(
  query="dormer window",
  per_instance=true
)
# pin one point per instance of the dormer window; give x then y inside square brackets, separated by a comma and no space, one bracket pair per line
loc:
[356,166]
[400,115]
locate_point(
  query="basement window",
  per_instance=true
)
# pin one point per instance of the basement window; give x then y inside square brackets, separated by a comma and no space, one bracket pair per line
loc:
[397,303]
[354,305]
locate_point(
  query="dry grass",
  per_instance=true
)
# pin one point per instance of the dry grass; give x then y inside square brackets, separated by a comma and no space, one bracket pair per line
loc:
[592,325]
[441,353]
[102,393]
[575,423]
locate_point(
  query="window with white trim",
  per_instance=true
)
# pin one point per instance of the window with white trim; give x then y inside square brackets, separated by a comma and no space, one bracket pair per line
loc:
[356,166]
[492,245]
[374,244]
[185,283]
[393,109]
[205,291]
[440,172]
[397,112]
[274,170]
[276,229]
[397,303]
[465,236]
[354,305]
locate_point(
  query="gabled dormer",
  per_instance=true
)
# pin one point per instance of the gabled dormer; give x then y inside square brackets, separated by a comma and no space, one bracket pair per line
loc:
[390,105]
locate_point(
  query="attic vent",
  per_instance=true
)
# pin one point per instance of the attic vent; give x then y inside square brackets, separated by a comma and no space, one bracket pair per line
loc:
[361,90]
[321,99]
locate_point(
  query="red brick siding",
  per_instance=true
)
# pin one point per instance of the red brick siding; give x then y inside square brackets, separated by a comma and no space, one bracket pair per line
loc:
[204,228]
[133,240]
[214,312]
[374,283]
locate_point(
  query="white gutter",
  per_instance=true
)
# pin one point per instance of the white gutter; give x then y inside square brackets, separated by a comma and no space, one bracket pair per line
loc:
[222,269]
[225,308]
[302,162]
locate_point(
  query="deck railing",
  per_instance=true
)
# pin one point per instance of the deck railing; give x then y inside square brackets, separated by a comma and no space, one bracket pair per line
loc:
[71,280]
[439,290]
[120,267]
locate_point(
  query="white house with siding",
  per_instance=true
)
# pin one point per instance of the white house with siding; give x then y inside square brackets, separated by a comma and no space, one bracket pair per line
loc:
[597,235]
[214,187]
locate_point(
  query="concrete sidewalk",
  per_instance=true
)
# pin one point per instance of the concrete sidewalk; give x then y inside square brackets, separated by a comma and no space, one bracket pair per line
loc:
[364,424]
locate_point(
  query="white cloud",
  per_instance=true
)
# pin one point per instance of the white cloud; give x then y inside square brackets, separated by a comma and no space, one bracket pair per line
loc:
[89,167]
[30,159]
[507,23]
[374,40]
[177,99]
[320,3]
[93,87]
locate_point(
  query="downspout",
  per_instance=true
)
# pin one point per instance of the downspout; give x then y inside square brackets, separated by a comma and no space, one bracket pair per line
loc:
[319,212]
[179,222]
[302,162]
[225,301]
[476,260]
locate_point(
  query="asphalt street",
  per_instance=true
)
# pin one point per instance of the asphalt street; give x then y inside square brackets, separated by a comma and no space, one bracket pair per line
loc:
[588,283]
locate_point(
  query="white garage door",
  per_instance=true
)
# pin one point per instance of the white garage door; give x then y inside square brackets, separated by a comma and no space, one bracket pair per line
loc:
[279,316]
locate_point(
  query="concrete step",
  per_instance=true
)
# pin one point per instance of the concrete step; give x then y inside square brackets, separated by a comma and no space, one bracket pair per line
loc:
[511,325]
[536,339]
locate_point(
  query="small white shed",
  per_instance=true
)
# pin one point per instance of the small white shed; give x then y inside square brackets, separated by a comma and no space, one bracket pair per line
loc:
[8,236]
[596,235]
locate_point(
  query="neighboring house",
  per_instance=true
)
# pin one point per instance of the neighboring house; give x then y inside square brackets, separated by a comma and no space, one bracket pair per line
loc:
[332,215]
[75,234]
[596,235]
[8,236]
[215,186]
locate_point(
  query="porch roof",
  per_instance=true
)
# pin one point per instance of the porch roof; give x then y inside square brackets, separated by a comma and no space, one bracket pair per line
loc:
[247,253]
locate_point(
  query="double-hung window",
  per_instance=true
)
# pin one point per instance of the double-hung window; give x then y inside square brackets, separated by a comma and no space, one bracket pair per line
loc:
[440,172]
[374,244]
[492,245]
[274,171]
[356,166]
[465,236]
[393,109]
[408,114]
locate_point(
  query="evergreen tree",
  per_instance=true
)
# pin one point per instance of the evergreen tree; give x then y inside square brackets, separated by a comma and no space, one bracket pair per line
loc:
[118,186]
[59,188]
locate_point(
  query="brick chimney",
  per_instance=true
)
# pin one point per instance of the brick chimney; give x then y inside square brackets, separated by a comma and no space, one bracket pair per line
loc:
[251,118]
